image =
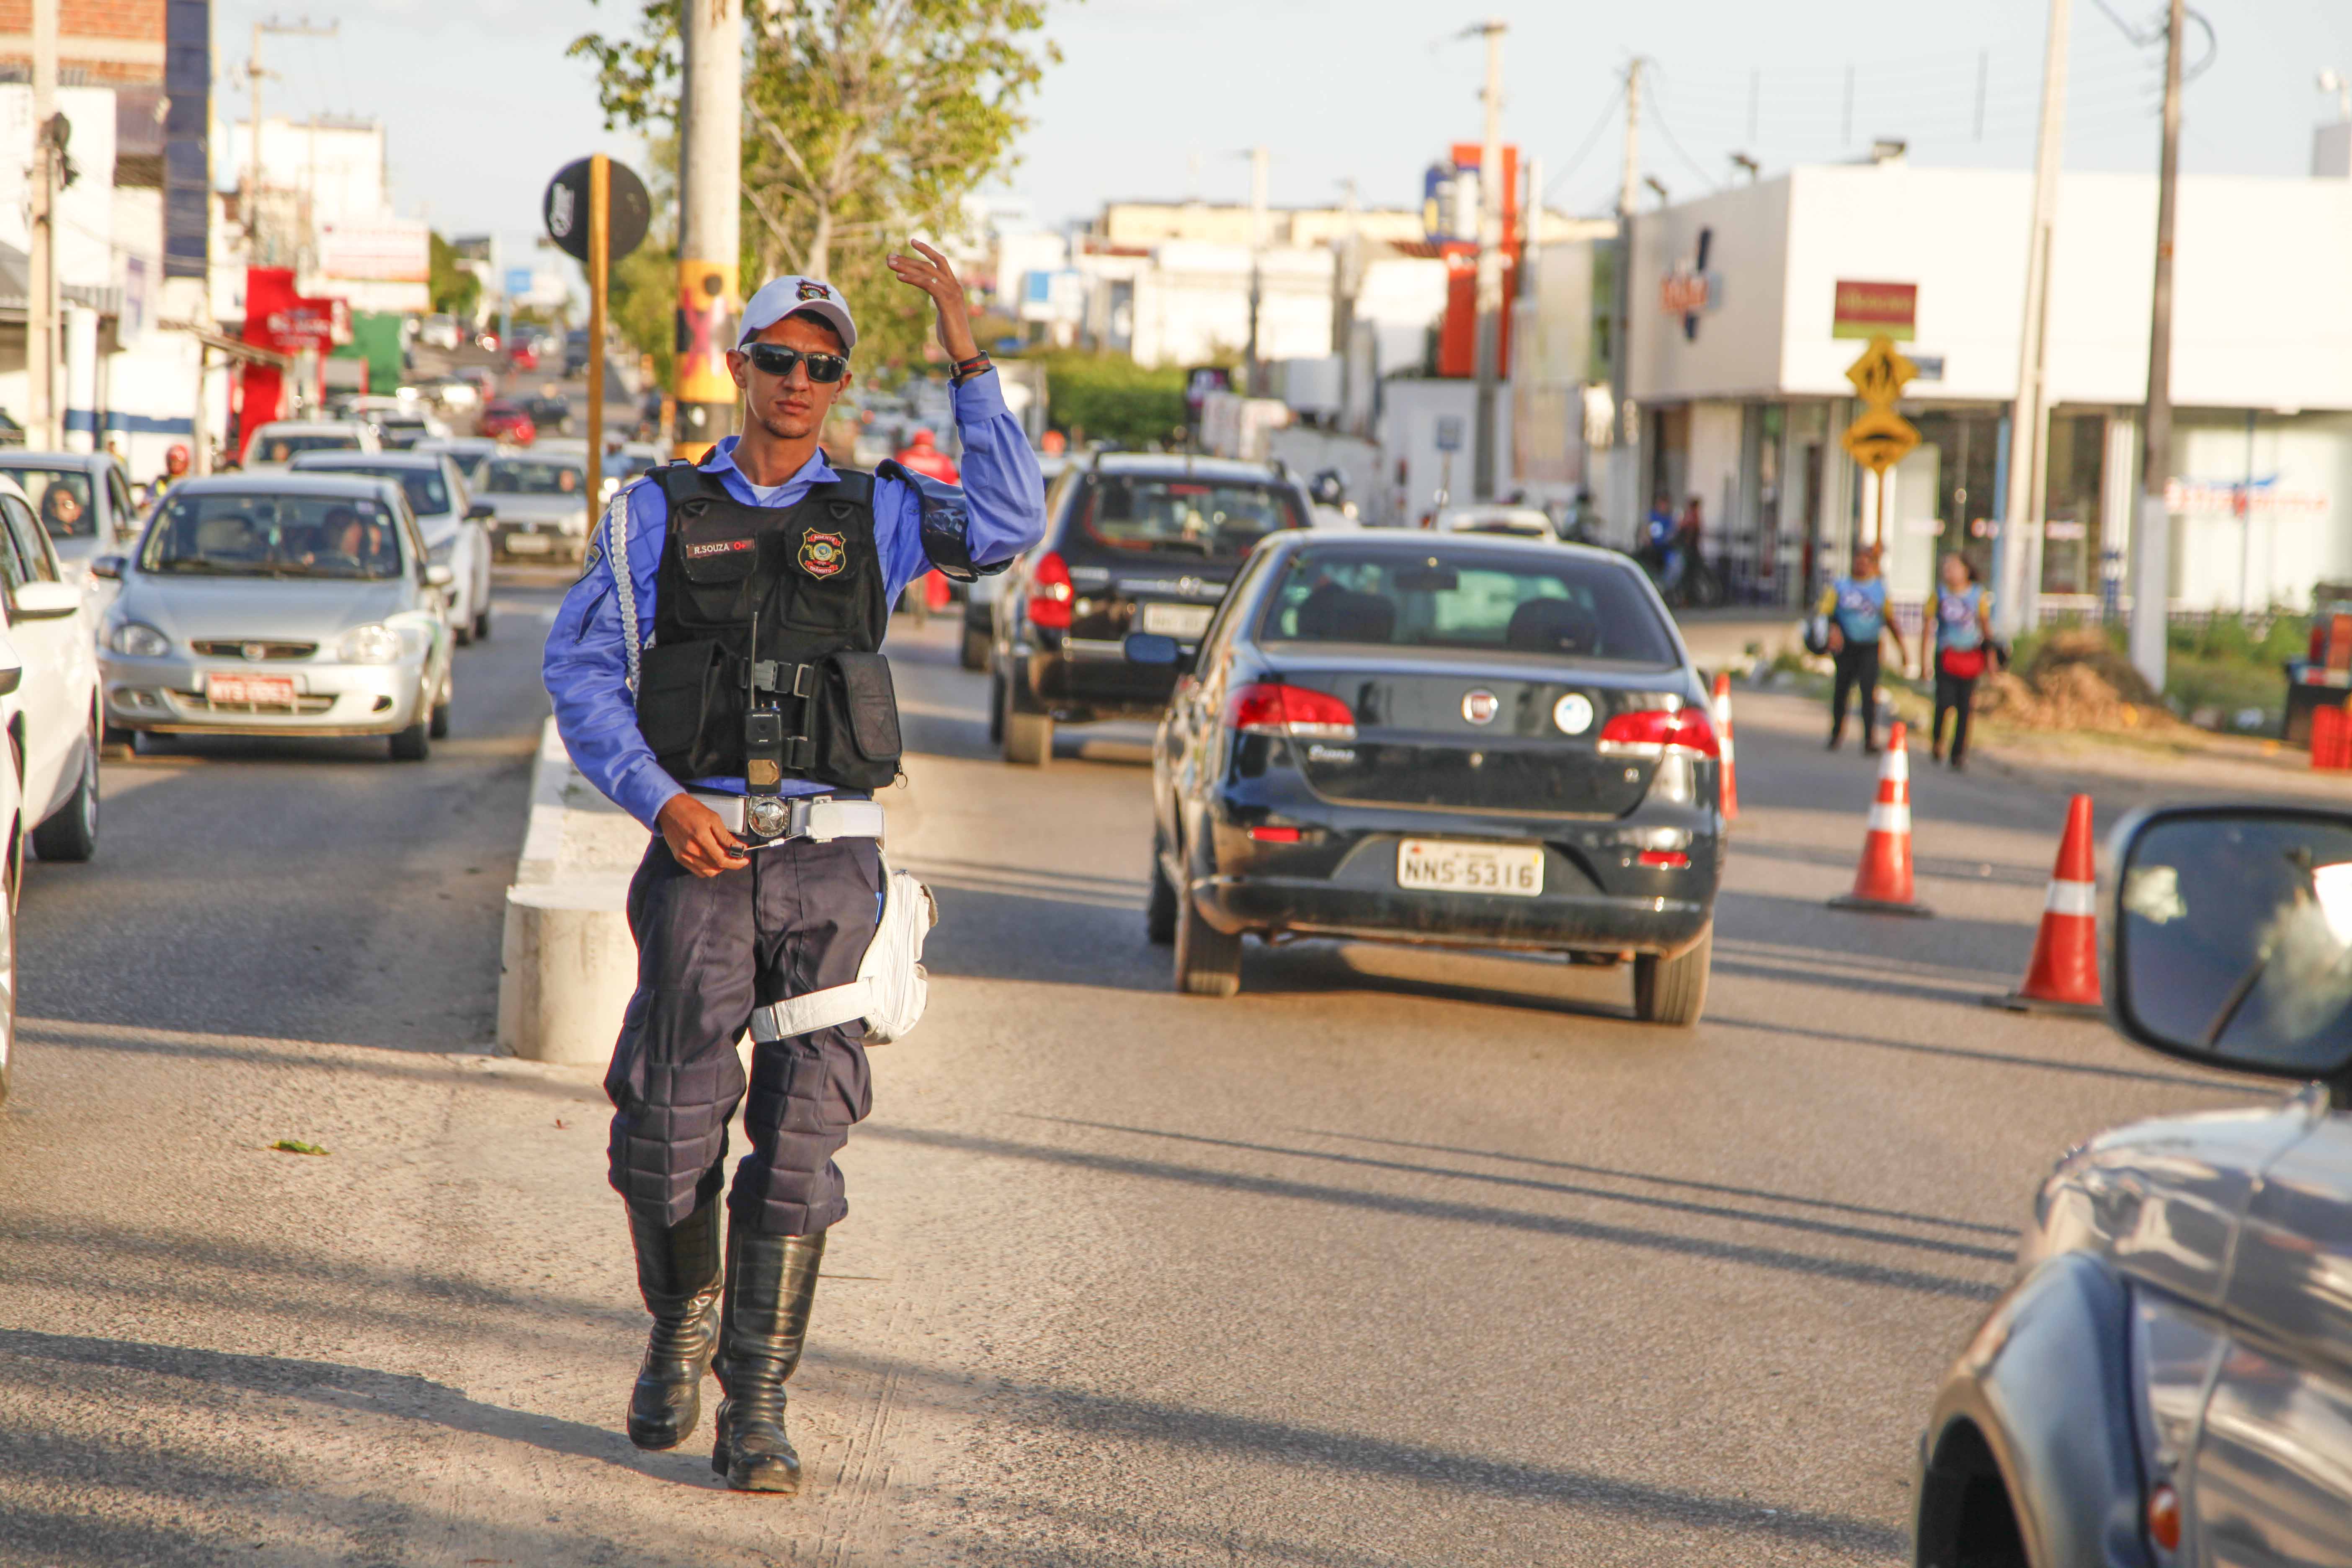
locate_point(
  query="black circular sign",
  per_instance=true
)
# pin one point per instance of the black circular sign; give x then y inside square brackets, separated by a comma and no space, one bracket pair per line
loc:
[565,210]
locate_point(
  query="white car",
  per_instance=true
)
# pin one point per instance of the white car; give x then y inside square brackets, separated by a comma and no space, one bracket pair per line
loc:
[1515,521]
[52,716]
[453,523]
[86,509]
[542,503]
[12,819]
[279,442]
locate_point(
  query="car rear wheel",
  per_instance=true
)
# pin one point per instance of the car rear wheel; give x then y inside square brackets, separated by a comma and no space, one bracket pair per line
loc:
[438,727]
[1673,991]
[72,833]
[482,623]
[975,649]
[1160,909]
[1208,961]
[415,743]
[995,709]
[1028,737]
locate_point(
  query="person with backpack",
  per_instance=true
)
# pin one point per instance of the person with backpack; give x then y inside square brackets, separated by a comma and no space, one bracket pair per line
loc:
[1856,608]
[1963,633]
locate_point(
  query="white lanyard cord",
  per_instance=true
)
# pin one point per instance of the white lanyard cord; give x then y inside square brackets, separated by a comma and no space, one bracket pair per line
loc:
[616,531]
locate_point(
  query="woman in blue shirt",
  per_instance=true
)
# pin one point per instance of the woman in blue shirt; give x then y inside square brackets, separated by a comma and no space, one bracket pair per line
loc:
[1963,628]
[1857,606]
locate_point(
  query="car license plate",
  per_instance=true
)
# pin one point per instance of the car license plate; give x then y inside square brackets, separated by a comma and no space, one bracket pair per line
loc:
[240,690]
[1441,865]
[529,543]
[1185,621]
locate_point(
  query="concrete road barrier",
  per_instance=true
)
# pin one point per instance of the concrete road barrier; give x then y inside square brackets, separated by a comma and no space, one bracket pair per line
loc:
[568,965]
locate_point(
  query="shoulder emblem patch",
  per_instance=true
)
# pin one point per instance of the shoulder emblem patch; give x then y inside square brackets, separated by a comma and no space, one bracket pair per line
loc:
[823,554]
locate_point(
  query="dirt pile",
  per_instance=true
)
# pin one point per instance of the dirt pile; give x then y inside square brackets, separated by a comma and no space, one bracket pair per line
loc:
[2077,680]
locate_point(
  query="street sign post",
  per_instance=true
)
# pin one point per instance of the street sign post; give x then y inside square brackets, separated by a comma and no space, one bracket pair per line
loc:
[596,212]
[1879,438]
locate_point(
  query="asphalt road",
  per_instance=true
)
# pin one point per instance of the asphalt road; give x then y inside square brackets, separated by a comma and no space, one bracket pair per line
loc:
[1395,1258]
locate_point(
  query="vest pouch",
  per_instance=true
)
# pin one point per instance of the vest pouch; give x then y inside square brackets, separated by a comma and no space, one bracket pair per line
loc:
[855,733]
[686,702]
[718,556]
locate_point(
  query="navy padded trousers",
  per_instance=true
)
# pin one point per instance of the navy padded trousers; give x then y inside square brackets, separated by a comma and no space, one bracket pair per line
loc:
[797,919]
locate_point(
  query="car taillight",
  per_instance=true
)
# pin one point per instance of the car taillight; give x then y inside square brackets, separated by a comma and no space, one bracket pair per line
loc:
[1274,835]
[1050,592]
[1270,708]
[1654,732]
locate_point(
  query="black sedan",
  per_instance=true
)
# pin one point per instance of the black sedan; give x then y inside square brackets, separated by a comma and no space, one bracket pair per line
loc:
[1134,543]
[1447,741]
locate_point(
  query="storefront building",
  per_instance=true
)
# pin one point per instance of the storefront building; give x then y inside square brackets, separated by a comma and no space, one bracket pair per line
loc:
[1739,369]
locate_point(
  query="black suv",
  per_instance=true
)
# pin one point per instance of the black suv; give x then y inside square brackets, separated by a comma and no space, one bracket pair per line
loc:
[1134,543]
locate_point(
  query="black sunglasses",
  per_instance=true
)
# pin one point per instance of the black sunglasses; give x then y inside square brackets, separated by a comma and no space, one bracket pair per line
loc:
[774,359]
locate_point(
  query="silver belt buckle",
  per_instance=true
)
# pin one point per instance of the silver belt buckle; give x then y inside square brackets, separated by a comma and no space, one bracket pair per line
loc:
[768,816]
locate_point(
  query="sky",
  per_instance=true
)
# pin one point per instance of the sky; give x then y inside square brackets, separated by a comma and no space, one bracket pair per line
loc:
[1159,98]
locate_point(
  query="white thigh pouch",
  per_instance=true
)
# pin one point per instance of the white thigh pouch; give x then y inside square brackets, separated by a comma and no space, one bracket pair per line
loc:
[891,986]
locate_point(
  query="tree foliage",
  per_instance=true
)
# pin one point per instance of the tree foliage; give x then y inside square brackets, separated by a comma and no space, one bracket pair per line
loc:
[1109,397]
[865,121]
[454,290]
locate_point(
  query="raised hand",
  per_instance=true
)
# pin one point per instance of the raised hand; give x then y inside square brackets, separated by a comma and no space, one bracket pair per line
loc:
[931,272]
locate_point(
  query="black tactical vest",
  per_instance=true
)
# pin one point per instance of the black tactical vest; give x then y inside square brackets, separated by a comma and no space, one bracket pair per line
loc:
[809,578]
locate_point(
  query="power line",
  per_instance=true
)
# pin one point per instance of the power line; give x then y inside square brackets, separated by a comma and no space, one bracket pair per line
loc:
[1591,140]
[1657,113]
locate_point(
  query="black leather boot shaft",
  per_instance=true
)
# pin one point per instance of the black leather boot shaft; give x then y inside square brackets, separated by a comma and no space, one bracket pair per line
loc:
[771,1285]
[677,1275]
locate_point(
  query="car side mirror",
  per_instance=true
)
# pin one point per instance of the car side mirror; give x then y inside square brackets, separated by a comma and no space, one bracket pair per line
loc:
[107,566]
[40,601]
[438,575]
[2232,938]
[480,511]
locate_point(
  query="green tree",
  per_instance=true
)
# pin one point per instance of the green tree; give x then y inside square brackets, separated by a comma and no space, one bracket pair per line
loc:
[1109,397]
[865,121]
[452,289]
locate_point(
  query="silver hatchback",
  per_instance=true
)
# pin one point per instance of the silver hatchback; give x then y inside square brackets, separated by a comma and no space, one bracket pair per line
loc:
[280,604]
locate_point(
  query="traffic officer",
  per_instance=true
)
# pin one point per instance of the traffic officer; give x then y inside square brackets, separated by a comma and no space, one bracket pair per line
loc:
[716,672]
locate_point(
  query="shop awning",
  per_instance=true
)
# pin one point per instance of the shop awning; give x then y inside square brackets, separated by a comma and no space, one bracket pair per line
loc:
[236,348]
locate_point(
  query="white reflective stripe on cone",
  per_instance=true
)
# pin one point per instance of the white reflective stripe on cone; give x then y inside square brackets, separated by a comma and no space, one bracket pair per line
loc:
[1898,765]
[2071,899]
[1884,818]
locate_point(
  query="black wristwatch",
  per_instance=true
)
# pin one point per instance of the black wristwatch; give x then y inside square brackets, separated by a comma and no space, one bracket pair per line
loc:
[963,369]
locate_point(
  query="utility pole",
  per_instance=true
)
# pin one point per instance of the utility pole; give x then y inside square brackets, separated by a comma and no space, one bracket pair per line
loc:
[40,269]
[255,77]
[2151,545]
[1491,192]
[1257,373]
[1347,272]
[2017,564]
[709,223]
[1624,501]
[600,274]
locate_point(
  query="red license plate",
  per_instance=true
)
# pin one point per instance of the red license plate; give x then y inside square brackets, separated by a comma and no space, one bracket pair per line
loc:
[261,690]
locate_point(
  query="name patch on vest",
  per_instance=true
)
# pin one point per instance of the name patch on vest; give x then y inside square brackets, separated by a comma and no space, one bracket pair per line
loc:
[719,547]
[823,554]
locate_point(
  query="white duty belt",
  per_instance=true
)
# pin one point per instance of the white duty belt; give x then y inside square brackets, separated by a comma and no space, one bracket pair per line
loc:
[821,817]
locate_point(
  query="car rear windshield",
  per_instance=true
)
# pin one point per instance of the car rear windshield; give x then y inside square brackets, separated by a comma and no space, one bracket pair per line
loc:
[427,491]
[1205,519]
[260,534]
[1466,599]
[526,477]
[62,498]
[278,447]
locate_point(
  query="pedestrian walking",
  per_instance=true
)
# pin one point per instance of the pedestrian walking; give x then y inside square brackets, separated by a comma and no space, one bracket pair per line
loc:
[1963,631]
[717,672]
[1856,608]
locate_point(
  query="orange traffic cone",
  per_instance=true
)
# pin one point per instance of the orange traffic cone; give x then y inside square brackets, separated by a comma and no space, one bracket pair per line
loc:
[1723,740]
[1882,883]
[2062,976]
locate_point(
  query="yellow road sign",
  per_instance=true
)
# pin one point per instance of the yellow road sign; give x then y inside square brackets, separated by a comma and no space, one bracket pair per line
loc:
[1880,438]
[1881,373]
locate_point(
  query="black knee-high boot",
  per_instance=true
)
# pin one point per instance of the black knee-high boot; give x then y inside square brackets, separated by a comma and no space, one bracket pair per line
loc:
[677,1274]
[771,1283]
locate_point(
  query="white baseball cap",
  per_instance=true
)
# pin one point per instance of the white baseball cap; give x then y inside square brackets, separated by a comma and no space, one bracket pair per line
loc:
[788,297]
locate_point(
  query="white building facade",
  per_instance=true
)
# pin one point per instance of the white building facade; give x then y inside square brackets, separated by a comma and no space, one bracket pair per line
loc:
[1741,379]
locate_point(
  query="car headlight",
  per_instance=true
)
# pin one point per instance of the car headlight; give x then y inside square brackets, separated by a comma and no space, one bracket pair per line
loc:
[442,551]
[139,640]
[369,645]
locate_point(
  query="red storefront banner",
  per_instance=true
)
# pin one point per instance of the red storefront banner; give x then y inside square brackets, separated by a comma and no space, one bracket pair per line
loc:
[1875,310]
[279,319]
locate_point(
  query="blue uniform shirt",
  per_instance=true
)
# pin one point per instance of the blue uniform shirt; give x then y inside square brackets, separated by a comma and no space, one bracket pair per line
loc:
[1862,609]
[586,668]
[1957,626]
